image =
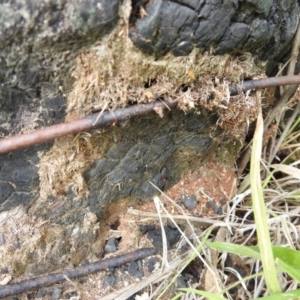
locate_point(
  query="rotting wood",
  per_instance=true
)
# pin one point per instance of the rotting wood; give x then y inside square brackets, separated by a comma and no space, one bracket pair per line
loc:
[46,280]
[109,118]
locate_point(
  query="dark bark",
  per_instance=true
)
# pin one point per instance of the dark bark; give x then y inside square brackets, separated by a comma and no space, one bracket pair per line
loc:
[263,27]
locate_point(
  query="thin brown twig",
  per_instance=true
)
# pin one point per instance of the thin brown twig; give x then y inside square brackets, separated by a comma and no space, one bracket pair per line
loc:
[46,280]
[108,118]
[264,83]
[87,123]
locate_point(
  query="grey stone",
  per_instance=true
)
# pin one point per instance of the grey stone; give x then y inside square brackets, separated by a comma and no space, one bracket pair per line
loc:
[172,235]
[181,283]
[2,239]
[71,294]
[151,264]
[136,269]
[109,280]
[189,202]
[56,293]
[41,293]
[111,245]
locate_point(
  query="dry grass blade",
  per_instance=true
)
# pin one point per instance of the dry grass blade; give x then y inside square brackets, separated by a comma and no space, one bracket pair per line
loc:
[290,170]
[294,53]
[165,264]
[290,90]
[187,240]
[284,133]
[211,283]
[259,209]
[279,105]
[204,222]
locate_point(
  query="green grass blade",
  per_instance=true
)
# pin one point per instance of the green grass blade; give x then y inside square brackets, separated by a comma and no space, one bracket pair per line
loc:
[293,272]
[203,293]
[259,209]
[290,295]
[244,279]
[235,249]
[178,296]
[287,255]
[293,126]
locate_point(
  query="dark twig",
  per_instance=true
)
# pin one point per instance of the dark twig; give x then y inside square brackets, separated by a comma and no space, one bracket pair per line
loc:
[46,280]
[119,115]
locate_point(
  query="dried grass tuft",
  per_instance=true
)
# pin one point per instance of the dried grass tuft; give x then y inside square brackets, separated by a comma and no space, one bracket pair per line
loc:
[115,73]
[63,165]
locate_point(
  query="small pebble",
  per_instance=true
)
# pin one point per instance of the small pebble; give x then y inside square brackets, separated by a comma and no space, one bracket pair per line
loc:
[111,245]
[69,295]
[139,274]
[109,280]
[136,269]
[172,234]
[41,293]
[17,245]
[118,279]
[145,228]
[31,296]
[151,264]
[4,270]
[2,240]
[189,202]
[133,268]
[56,294]
[180,283]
